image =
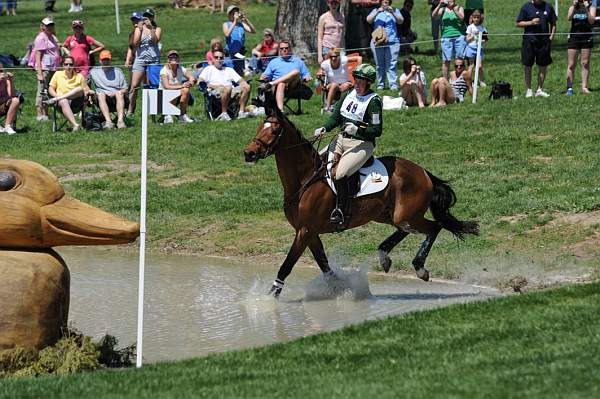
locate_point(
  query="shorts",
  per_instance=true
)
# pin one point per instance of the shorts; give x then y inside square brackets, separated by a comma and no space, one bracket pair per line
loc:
[218,91]
[140,66]
[41,86]
[471,53]
[536,51]
[580,42]
[453,47]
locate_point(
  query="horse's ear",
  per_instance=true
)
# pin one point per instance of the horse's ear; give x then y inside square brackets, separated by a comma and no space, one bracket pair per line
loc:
[270,103]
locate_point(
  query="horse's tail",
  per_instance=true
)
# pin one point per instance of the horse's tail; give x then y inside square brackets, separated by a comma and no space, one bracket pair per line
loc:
[443,199]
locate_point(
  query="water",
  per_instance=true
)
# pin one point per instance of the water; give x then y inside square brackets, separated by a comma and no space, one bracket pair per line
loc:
[196,306]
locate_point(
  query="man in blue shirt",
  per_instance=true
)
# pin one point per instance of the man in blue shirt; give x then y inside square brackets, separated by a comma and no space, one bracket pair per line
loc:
[285,73]
[538,19]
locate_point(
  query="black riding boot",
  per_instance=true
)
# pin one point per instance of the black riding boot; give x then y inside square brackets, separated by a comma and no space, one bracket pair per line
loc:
[341,214]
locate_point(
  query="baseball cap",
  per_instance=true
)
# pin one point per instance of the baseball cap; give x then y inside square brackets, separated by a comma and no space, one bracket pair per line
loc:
[172,52]
[47,21]
[268,32]
[148,12]
[105,55]
[136,15]
[231,8]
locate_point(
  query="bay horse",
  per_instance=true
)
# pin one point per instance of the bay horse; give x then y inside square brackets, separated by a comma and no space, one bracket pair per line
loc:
[308,200]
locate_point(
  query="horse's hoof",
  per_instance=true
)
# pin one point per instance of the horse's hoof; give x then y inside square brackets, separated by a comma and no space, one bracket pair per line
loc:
[276,288]
[423,274]
[385,261]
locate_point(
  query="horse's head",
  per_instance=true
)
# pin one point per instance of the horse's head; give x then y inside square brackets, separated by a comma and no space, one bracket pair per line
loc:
[268,133]
[266,140]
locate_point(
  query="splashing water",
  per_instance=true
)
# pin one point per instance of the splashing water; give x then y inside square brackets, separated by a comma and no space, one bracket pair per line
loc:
[347,283]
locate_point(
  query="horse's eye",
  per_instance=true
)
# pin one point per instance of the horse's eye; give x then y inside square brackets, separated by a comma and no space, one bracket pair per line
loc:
[8,180]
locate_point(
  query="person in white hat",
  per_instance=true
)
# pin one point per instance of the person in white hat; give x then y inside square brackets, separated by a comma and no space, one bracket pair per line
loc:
[213,6]
[235,36]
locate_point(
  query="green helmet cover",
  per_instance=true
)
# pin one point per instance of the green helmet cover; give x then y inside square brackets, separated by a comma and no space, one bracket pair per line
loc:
[365,71]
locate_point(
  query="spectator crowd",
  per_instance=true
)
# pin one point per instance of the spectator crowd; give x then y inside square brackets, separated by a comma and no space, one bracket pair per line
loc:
[68,78]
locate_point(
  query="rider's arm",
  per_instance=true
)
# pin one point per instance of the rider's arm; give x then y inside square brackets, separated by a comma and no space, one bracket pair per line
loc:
[375,122]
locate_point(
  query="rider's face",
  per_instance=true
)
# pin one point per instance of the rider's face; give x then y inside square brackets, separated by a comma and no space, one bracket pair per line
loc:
[361,85]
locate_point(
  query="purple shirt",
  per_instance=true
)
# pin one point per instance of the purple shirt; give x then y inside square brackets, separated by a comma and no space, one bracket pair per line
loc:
[48,46]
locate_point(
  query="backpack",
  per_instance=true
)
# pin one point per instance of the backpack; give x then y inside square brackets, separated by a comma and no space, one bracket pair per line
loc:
[501,90]
[92,121]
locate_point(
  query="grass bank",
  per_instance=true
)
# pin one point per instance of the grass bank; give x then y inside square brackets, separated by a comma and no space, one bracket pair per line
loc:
[524,168]
[538,345]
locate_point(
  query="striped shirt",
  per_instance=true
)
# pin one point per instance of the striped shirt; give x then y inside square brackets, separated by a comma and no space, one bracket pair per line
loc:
[459,88]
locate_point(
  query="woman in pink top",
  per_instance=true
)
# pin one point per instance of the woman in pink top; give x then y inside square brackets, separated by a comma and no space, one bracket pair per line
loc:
[79,46]
[45,59]
[330,30]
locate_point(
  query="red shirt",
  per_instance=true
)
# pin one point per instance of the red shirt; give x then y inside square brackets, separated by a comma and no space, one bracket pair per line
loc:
[265,48]
[80,51]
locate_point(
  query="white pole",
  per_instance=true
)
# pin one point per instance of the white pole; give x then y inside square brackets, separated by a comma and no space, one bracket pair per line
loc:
[117,17]
[556,7]
[140,328]
[477,66]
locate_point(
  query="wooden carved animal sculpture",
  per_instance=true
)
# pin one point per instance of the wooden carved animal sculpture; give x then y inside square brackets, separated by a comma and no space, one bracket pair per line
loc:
[35,215]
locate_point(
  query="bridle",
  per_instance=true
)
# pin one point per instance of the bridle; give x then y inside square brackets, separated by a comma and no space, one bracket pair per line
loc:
[271,147]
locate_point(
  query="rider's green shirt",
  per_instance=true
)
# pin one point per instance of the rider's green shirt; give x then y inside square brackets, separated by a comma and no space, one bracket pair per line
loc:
[371,125]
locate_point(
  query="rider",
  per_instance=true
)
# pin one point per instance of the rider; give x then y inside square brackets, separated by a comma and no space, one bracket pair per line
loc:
[359,113]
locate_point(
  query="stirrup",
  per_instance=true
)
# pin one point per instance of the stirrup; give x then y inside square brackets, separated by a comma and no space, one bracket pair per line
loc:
[337,217]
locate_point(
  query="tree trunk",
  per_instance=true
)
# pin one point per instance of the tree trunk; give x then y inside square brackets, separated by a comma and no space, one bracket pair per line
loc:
[297,21]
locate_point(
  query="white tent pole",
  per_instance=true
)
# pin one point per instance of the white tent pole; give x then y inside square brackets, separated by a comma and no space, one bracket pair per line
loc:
[477,66]
[140,327]
[117,17]
[556,7]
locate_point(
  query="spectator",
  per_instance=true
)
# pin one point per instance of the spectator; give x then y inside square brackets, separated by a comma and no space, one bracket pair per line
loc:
[407,36]
[330,30]
[222,79]
[111,90]
[582,15]
[470,7]
[444,91]
[285,73]
[264,52]
[213,5]
[435,24]
[68,89]
[235,36]
[175,77]
[359,36]
[386,56]
[9,101]
[146,38]
[79,46]
[473,30]
[215,44]
[453,32]
[539,22]
[135,19]
[335,71]
[413,83]
[178,4]
[76,6]
[11,7]
[45,59]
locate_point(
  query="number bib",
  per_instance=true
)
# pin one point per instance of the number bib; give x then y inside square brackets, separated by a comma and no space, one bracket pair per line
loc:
[354,106]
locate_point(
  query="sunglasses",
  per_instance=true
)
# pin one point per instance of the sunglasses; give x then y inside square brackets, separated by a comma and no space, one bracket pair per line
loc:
[459,66]
[284,48]
[219,58]
[173,58]
[68,64]
[333,56]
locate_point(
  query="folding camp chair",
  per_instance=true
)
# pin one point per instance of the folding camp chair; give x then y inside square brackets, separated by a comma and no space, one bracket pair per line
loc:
[212,103]
[77,107]
[301,92]
[111,102]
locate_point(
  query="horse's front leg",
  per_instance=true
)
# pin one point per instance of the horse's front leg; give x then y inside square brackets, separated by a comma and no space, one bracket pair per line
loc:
[300,243]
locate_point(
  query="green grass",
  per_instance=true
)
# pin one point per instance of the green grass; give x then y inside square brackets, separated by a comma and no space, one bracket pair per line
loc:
[549,348]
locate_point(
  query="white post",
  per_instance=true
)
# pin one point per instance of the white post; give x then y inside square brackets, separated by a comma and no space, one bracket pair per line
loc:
[117,17]
[556,7]
[477,66]
[140,328]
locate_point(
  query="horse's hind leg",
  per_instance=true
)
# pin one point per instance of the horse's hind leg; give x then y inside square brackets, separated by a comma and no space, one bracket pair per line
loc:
[386,247]
[432,229]
[316,248]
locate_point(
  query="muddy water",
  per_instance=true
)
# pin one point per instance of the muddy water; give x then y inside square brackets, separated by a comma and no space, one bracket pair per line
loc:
[196,306]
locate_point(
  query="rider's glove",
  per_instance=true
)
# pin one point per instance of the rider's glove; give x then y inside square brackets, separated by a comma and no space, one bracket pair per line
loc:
[319,132]
[350,128]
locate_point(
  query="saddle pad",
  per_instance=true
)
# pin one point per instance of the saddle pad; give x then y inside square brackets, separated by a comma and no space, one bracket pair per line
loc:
[373,178]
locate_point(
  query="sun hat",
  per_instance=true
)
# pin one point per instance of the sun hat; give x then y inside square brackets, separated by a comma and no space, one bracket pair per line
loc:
[105,55]
[148,12]
[136,15]
[231,8]
[47,21]
[172,52]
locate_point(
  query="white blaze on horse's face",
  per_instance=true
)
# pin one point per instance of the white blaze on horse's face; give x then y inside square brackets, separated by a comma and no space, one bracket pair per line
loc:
[261,145]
